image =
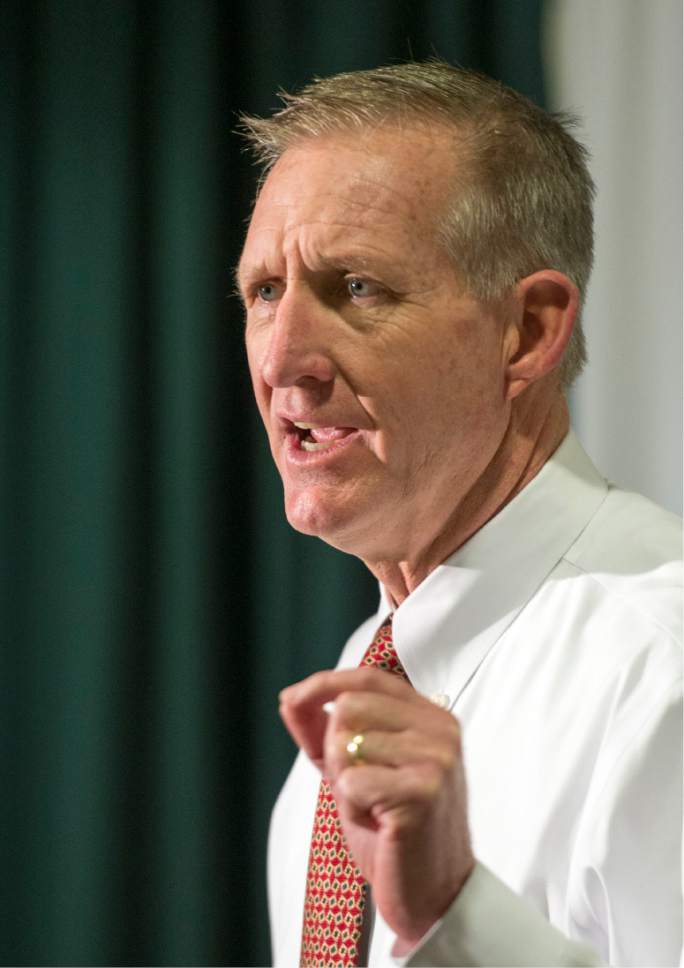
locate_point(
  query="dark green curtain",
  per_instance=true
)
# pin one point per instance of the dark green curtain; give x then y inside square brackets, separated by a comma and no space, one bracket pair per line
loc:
[154,600]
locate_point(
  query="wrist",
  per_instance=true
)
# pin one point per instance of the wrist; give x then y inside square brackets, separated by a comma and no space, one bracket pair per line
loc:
[403,945]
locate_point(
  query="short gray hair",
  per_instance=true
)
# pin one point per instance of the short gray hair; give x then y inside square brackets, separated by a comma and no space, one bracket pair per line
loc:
[525,202]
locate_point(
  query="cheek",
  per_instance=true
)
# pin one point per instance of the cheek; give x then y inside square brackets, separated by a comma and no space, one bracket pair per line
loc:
[477,368]
[262,395]
[255,355]
[254,351]
[463,395]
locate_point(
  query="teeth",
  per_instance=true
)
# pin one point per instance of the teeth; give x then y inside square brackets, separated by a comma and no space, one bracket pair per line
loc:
[303,426]
[311,445]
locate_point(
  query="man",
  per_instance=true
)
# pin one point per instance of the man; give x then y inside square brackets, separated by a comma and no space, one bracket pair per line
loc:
[412,276]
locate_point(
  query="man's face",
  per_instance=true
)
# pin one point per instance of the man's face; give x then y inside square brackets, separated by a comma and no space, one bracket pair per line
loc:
[380,383]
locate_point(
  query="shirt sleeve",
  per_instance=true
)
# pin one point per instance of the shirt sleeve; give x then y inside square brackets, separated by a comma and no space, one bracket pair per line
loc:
[625,885]
[488,924]
[624,899]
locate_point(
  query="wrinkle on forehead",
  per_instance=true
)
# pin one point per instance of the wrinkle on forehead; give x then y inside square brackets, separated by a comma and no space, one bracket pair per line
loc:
[363,203]
[366,200]
[382,167]
[325,195]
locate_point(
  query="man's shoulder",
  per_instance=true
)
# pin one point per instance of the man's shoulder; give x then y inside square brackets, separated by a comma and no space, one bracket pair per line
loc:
[629,534]
[632,549]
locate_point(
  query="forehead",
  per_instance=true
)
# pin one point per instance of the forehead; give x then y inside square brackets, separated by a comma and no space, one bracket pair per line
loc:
[384,184]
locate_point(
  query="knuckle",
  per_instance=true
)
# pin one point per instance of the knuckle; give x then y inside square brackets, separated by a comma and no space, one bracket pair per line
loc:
[344,705]
[347,711]
[423,784]
[333,751]
[368,676]
[435,778]
[454,734]
[347,783]
[438,751]
[432,783]
[445,758]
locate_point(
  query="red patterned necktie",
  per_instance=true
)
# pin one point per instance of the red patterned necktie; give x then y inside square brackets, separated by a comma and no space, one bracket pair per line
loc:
[335,889]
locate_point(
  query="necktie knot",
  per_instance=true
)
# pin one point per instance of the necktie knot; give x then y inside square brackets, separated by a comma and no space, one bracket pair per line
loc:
[381,653]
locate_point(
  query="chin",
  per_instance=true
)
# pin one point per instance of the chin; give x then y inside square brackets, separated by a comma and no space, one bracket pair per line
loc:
[324,519]
[310,515]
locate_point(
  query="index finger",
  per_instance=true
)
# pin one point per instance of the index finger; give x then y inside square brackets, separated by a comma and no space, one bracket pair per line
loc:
[326,686]
[301,705]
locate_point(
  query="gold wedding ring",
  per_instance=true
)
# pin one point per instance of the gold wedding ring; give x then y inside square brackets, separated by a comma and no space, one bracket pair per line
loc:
[354,748]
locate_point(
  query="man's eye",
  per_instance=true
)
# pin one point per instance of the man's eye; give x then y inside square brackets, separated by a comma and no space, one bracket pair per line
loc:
[362,288]
[268,292]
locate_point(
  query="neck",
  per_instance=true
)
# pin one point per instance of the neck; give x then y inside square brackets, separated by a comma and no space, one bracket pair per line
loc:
[526,446]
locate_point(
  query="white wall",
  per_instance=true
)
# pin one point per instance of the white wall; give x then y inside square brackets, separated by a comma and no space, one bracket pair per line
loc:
[618,63]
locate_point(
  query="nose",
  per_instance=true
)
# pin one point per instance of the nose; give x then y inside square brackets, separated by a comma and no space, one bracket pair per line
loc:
[298,342]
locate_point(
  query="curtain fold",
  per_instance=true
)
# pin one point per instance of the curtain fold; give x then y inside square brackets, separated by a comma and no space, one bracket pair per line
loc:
[154,599]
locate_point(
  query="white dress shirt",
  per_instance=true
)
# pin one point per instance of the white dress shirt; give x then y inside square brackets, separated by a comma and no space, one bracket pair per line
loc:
[553,635]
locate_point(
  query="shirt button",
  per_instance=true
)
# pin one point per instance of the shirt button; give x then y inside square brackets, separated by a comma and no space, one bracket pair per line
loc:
[441,699]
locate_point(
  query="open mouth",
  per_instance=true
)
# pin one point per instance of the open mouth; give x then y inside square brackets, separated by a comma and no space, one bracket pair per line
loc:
[312,438]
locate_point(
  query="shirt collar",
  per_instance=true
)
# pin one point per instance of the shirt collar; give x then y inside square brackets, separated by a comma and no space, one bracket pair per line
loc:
[448,624]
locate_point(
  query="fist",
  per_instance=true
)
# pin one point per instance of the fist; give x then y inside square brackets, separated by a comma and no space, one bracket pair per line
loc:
[401,798]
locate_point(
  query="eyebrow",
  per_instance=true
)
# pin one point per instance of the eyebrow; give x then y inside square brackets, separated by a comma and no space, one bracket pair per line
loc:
[349,260]
[338,262]
[236,289]
[248,275]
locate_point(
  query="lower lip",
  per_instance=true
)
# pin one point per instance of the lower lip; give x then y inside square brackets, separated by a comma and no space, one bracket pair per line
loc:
[296,455]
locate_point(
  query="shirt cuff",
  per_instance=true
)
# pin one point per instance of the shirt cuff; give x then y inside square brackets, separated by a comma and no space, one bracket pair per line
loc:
[490,925]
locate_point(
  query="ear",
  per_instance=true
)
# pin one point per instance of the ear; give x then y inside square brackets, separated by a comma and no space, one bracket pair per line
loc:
[546,306]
